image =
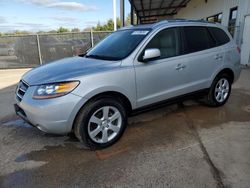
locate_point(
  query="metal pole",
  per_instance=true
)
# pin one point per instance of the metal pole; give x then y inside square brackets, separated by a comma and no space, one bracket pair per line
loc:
[114,11]
[132,15]
[122,12]
[39,50]
[91,38]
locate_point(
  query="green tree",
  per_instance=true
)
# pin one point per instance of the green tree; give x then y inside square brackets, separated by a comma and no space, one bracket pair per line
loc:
[52,31]
[98,26]
[87,29]
[118,23]
[18,32]
[108,26]
[42,32]
[75,30]
[128,20]
[62,30]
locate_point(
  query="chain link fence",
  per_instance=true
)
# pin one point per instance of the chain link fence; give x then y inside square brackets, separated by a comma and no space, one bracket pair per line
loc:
[33,50]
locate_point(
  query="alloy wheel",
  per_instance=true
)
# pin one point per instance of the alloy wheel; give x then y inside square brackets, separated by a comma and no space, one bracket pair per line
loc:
[104,124]
[221,90]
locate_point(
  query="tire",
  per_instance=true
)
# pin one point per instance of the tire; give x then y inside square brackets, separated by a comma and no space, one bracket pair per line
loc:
[220,91]
[96,127]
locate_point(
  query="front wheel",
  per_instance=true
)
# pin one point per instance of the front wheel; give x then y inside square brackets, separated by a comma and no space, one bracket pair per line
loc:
[219,91]
[101,123]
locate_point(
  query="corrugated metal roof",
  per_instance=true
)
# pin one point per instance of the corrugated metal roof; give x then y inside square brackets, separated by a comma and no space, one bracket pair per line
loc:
[150,10]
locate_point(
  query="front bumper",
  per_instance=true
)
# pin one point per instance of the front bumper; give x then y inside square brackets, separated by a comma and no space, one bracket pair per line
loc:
[50,115]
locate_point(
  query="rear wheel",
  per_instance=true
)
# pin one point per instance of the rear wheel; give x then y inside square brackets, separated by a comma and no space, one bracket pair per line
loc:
[219,91]
[101,123]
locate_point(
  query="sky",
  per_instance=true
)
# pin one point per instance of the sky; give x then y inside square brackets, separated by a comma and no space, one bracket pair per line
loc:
[45,15]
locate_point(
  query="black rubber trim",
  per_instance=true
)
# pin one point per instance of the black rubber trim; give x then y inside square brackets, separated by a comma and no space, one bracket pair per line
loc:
[181,98]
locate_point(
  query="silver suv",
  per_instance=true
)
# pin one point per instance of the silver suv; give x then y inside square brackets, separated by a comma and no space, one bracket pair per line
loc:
[130,70]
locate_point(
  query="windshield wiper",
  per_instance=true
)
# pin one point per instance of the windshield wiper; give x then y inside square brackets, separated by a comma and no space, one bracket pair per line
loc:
[101,57]
[86,51]
[93,56]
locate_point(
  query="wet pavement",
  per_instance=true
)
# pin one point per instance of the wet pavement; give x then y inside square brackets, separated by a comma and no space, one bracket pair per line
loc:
[187,145]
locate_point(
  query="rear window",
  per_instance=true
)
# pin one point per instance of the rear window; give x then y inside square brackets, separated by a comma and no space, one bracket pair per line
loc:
[219,35]
[197,39]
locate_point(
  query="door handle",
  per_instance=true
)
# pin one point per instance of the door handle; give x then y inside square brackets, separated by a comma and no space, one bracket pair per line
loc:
[218,56]
[180,67]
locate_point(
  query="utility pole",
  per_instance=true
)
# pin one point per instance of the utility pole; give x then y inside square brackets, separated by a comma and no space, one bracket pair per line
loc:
[132,15]
[122,12]
[114,11]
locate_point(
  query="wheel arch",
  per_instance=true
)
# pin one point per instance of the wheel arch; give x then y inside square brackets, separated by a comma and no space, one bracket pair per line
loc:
[116,95]
[112,94]
[227,71]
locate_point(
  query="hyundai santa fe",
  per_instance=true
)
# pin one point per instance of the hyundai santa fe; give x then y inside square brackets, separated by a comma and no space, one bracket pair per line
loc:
[130,70]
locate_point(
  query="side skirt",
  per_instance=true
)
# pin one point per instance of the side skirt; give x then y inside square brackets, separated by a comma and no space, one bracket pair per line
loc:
[178,99]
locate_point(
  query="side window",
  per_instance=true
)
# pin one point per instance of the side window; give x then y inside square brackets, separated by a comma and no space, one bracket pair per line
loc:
[167,41]
[197,39]
[219,35]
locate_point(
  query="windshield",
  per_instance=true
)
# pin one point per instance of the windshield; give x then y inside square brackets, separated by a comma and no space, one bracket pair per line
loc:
[118,45]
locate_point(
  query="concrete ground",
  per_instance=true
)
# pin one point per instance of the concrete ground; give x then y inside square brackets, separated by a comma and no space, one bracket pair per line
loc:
[175,146]
[8,80]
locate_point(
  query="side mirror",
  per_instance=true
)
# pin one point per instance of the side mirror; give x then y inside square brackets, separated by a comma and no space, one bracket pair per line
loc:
[151,53]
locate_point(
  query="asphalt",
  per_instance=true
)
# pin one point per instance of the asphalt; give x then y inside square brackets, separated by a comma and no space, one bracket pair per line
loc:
[184,145]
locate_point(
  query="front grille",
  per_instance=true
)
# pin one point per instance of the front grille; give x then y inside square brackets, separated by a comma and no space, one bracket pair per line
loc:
[21,90]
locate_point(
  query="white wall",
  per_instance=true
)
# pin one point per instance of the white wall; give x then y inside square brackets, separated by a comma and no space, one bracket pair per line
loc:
[243,10]
[198,9]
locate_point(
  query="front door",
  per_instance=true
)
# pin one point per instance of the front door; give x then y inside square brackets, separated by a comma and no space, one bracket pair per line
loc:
[164,77]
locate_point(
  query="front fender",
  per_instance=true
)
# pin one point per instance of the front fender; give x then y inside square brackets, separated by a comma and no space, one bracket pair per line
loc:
[111,89]
[120,81]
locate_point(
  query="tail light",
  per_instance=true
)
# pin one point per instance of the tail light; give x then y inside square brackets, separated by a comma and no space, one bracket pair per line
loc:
[238,49]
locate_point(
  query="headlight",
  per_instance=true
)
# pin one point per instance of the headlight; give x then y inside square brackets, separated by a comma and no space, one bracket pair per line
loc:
[53,90]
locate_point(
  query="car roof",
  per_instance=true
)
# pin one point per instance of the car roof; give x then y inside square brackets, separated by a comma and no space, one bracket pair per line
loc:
[179,22]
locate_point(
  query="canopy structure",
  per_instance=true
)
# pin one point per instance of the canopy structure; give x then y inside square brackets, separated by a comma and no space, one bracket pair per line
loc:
[149,11]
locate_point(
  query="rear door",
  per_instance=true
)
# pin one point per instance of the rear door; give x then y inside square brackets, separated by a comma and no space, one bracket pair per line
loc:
[204,57]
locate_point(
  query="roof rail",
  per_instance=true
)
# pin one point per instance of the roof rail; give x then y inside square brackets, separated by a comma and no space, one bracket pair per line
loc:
[187,20]
[160,23]
[178,20]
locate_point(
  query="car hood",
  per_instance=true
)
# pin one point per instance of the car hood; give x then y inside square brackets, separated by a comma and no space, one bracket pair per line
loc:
[67,69]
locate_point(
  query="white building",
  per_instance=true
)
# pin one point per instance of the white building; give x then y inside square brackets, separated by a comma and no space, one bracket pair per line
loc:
[234,14]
